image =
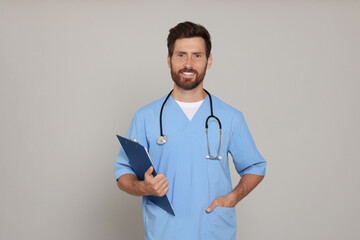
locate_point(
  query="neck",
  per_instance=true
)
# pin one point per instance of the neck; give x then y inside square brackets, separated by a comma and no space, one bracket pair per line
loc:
[193,95]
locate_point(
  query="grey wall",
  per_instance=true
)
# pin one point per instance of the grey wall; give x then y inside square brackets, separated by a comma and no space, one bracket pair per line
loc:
[74,72]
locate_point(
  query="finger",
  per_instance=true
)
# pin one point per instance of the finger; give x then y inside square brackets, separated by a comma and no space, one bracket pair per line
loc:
[163,184]
[164,192]
[160,186]
[159,177]
[160,181]
[211,207]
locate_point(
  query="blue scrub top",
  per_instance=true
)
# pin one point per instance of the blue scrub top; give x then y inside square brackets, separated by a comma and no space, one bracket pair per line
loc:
[194,181]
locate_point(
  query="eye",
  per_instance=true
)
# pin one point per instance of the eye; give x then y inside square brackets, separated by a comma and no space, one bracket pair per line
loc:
[198,56]
[180,55]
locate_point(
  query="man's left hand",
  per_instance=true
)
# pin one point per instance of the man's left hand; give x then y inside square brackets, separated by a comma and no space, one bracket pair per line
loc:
[229,200]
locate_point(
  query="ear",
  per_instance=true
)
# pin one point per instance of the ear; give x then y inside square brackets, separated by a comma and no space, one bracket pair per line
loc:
[209,61]
[168,60]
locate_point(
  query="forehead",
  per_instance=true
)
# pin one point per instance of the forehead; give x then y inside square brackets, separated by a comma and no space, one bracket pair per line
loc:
[194,44]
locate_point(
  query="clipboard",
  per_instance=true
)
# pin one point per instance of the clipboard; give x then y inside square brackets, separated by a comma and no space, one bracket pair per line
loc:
[140,162]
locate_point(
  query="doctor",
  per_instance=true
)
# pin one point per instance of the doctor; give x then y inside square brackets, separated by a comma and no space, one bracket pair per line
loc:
[193,163]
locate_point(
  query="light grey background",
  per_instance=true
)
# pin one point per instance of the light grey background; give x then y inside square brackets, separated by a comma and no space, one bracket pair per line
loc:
[74,72]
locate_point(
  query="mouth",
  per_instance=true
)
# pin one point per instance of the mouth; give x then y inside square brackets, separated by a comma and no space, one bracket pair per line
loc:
[187,74]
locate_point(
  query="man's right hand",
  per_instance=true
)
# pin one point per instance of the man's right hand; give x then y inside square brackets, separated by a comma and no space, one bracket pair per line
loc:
[156,186]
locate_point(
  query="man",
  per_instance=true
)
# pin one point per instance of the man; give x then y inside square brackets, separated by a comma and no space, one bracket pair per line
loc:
[193,164]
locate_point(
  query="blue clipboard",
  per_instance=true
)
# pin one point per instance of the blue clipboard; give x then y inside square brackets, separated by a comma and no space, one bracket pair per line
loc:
[140,161]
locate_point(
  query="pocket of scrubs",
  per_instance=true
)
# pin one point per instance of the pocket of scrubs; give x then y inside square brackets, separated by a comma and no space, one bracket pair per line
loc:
[153,211]
[223,223]
[156,220]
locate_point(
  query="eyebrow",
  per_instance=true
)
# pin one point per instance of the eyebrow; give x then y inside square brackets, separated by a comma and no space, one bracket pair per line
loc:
[191,53]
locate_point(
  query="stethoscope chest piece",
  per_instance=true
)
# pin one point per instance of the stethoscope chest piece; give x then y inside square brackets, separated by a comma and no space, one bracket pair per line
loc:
[161,140]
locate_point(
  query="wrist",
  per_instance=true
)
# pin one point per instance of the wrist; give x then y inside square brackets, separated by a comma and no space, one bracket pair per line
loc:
[142,188]
[234,197]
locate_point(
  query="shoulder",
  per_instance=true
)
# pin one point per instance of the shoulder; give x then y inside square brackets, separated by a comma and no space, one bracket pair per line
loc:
[231,118]
[150,108]
[225,108]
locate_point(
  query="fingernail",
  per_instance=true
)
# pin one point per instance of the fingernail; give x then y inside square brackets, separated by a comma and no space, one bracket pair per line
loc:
[208,210]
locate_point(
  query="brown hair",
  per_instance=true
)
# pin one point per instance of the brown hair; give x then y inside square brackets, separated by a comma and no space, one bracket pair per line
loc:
[188,30]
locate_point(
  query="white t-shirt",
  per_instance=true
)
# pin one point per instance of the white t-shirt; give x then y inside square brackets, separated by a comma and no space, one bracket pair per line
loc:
[190,108]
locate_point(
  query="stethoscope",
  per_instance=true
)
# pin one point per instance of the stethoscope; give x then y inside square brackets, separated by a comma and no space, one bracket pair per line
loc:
[162,139]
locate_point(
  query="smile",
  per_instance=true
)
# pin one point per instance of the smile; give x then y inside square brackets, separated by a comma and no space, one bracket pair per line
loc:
[188,73]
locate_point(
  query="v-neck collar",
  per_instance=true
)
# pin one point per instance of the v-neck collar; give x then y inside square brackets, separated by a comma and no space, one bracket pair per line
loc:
[203,108]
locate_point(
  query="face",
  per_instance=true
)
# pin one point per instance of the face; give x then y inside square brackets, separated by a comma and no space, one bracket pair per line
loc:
[188,63]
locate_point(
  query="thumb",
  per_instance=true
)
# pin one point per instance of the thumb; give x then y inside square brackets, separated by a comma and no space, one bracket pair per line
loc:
[149,171]
[211,207]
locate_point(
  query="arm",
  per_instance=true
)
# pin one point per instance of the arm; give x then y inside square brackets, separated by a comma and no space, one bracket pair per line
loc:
[248,163]
[131,184]
[156,186]
[125,175]
[246,184]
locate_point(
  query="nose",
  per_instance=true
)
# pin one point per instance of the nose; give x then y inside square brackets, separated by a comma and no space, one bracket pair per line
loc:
[189,63]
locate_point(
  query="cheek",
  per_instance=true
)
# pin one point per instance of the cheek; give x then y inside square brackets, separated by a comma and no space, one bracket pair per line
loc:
[202,62]
[176,66]
[201,66]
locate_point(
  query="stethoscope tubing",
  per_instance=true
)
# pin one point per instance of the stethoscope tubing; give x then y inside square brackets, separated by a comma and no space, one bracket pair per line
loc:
[162,139]
[211,111]
[162,107]
[207,119]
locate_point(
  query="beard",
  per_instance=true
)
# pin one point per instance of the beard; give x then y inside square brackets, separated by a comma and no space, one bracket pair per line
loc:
[187,83]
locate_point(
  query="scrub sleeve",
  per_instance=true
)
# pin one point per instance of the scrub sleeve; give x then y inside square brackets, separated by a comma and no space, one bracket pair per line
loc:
[136,131]
[246,157]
